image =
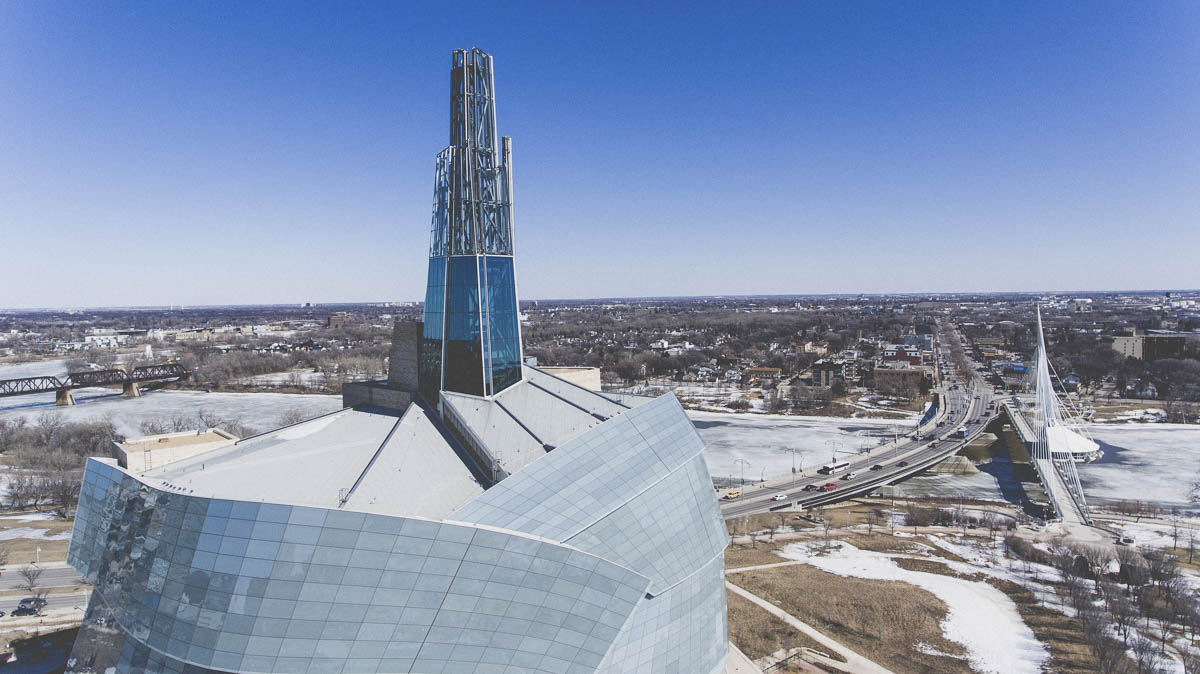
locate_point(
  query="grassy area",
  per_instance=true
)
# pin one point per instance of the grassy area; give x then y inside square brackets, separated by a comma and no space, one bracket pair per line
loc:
[760,634]
[887,543]
[24,550]
[1113,410]
[882,620]
[738,556]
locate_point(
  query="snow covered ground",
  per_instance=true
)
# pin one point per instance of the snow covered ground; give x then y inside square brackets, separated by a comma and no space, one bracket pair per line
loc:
[982,486]
[980,617]
[766,441]
[308,378]
[33,534]
[256,410]
[1143,462]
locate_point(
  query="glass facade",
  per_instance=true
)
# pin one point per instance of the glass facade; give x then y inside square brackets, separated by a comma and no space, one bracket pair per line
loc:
[503,335]
[472,341]
[603,555]
[429,371]
[259,587]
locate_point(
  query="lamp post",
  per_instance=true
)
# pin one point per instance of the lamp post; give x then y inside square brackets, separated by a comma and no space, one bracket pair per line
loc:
[743,463]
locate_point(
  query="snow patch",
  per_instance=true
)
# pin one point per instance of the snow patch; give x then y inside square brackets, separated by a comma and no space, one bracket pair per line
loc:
[31,533]
[980,617]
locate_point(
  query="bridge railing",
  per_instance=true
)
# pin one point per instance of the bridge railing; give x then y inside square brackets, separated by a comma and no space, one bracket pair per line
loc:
[84,378]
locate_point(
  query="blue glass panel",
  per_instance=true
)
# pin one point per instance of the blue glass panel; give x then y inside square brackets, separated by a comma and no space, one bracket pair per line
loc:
[504,327]
[430,371]
[464,355]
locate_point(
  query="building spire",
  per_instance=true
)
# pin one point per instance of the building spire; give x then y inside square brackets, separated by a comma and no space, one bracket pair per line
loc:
[472,338]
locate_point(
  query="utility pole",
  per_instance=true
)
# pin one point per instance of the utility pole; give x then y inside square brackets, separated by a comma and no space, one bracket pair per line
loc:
[743,463]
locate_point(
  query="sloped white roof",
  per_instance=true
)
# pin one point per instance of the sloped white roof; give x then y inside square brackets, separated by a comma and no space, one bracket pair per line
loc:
[416,473]
[380,461]
[535,415]
[1063,439]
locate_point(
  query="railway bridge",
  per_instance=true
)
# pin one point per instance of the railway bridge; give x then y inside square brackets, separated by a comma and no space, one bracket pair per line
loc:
[62,387]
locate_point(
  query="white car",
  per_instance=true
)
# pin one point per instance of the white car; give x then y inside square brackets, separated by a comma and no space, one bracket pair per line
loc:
[849,476]
[779,497]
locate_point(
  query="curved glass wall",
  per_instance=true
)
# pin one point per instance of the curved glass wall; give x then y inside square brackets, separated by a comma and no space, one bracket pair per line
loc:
[261,587]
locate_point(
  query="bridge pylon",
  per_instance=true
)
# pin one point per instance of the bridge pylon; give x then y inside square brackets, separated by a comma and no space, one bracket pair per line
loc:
[63,397]
[130,389]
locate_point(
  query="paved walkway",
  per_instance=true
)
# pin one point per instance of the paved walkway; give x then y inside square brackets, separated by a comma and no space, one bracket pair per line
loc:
[854,662]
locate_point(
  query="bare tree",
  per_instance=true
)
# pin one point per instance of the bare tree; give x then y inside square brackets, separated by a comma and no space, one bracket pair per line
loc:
[292,416]
[4,550]
[30,575]
[1123,613]
[873,517]
[1144,653]
[1097,559]
[1191,660]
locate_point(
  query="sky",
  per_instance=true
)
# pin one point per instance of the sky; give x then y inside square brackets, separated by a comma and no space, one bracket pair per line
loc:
[158,153]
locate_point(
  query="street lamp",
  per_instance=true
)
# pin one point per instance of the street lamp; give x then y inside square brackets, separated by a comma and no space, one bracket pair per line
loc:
[743,464]
[793,450]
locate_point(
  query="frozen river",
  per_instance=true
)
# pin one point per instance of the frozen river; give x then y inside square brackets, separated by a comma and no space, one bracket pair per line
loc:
[1148,462]
[766,442]
[260,411]
[1144,462]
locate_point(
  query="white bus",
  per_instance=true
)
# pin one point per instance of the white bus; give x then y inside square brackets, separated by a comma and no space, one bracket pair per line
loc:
[833,468]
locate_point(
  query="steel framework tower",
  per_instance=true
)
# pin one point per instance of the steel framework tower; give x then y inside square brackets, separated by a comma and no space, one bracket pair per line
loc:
[472,336]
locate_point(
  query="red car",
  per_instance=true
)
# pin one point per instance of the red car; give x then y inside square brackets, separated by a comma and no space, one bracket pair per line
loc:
[829,486]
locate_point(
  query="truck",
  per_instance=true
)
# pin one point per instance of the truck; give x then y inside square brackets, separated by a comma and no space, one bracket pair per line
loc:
[961,432]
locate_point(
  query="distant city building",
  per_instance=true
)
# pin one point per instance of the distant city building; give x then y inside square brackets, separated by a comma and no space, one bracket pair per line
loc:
[338,320]
[899,353]
[468,514]
[923,341]
[825,372]
[762,373]
[901,379]
[1149,347]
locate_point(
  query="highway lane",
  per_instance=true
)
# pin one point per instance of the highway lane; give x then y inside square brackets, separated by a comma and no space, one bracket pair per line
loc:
[967,398]
[63,576]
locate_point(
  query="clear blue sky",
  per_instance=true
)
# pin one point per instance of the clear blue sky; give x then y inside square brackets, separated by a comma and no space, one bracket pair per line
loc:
[212,153]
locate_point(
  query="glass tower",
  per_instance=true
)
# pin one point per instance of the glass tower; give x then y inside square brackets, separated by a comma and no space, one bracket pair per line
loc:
[472,338]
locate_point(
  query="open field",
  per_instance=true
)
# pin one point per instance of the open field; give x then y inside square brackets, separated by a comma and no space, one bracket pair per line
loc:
[760,634]
[882,620]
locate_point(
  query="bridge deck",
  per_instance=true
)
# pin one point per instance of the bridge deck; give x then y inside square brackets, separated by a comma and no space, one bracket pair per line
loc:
[1060,494]
[1062,498]
[87,378]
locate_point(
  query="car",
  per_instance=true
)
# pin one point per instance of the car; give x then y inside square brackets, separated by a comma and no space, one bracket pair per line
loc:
[849,476]
[903,464]
[779,497]
[32,602]
[878,466]
[829,486]
[810,487]
[21,610]
[732,495]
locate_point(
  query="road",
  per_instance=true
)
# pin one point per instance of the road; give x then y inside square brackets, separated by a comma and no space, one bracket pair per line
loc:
[65,588]
[52,577]
[967,398]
